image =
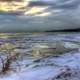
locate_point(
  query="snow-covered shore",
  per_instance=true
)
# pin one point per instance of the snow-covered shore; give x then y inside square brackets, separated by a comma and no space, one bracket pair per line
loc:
[61,67]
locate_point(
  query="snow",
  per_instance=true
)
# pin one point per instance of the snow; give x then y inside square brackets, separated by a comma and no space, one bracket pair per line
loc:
[48,68]
[43,73]
[47,72]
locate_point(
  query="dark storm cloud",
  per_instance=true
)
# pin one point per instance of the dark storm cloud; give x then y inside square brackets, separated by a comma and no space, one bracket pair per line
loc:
[64,4]
[67,4]
[37,3]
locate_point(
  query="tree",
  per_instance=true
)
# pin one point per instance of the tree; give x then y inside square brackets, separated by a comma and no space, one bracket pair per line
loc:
[10,56]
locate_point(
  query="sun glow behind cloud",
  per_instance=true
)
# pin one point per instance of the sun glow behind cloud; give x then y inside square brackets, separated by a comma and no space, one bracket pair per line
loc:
[39,11]
[12,6]
[23,7]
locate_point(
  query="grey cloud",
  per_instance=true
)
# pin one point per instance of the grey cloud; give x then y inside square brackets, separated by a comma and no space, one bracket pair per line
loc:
[37,3]
[68,4]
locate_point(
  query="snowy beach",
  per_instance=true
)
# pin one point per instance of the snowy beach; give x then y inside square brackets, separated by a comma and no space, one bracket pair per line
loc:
[28,66]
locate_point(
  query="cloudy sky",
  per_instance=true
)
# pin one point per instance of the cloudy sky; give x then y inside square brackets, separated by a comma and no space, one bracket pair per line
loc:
[42,15]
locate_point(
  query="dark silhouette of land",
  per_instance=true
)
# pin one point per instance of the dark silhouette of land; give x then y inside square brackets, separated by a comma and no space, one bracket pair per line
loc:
[65,30]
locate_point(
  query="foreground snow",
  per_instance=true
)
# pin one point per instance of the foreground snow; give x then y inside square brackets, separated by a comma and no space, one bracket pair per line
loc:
[49,68]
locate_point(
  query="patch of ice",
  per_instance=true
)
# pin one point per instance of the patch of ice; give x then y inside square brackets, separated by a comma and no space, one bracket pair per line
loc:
[71,45]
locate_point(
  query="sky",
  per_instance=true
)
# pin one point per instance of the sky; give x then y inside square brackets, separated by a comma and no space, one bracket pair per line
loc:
[41,15]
